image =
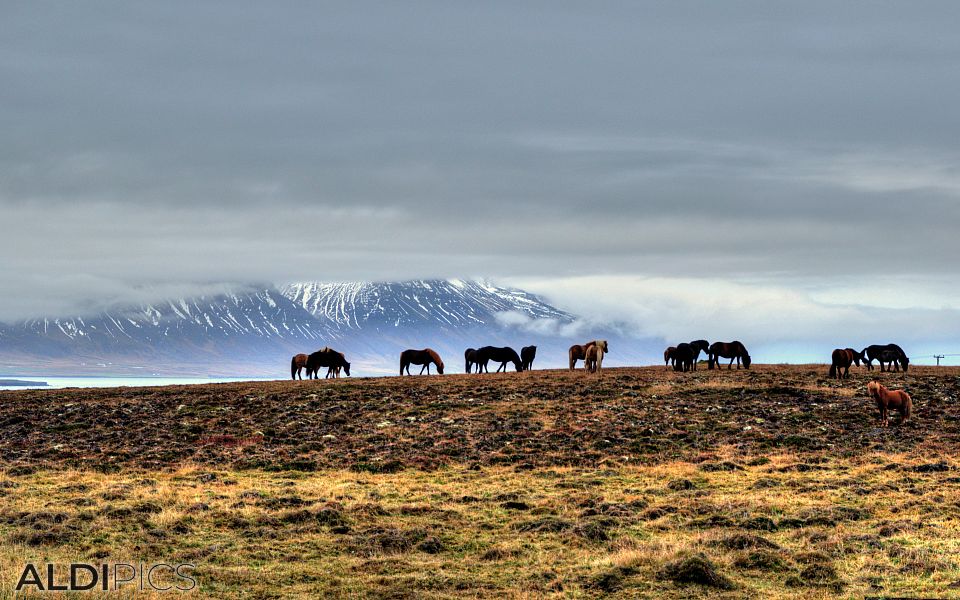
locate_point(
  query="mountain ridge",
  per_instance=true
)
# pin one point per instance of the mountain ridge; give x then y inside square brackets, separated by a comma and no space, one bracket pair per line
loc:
[254,332]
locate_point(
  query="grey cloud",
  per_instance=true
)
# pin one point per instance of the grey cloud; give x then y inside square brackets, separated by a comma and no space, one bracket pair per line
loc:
[151,145]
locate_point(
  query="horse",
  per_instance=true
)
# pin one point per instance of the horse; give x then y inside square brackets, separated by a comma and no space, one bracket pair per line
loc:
[420,357]
[297,364]
[577,352]
[470,358]
[593,356]
[842,358]
[668,356]
[886,399]
[500,355]
[891,354]
[732,350]
[329,358]
[698,347]
[527,354]
[683,357]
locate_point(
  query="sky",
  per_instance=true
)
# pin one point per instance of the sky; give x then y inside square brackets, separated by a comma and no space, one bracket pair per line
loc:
[785,172]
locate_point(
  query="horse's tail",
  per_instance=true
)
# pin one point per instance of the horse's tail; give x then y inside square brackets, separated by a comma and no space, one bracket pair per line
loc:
[907,405]
[573,361]
[401,364]
[293,368]
[833,370]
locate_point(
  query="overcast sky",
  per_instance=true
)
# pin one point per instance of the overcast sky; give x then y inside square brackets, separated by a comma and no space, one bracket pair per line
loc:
[672,154]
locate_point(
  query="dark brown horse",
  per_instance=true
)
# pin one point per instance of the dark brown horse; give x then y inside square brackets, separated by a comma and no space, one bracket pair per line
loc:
[889,353]
[668,356]
[842,358]
[329,358]
[470,358]
[420,357]
[578,352]
[297,364]
[887,399]
[500,355]
[527,354]
[733,350]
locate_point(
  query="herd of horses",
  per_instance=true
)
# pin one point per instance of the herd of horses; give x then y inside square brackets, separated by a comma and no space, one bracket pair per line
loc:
[683,357]
[890,356]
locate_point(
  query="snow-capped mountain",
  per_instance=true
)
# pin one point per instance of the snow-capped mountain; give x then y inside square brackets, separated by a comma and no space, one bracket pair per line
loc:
[205,335]
[256,332]
[449,304]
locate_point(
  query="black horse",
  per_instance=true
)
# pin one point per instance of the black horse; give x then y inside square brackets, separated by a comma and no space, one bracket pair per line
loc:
[699,346]
[326,358]
[500,355]
[733,350]
[470,359]
[527,354]
[891,354]
[683,357]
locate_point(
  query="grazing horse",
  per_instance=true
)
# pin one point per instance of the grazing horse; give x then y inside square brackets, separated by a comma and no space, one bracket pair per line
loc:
[891,354]
[420,357]
[297,364]
[698,347]
[527,354]
[500,355]
[578,352]
[593,357]
[732,350]
[470,358]
[329,358]
[668,356]
[842,358]
[886,399]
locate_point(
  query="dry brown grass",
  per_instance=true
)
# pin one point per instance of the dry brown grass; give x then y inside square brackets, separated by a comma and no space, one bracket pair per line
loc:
[802,519]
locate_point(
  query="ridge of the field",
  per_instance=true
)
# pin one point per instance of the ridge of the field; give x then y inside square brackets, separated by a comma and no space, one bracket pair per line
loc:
[530,419]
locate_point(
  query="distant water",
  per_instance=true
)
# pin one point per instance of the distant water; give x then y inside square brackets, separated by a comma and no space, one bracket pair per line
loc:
[102,382]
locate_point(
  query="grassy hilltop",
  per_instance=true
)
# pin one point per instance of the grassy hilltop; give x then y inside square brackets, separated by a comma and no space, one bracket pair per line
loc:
[771,482]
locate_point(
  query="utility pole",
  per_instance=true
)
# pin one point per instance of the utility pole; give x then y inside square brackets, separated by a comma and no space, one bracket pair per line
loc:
[938,357]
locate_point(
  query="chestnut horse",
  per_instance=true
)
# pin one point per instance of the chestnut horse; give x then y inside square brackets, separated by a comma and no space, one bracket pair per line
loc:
[500,355]
[593,355]
[527,354]
[578,352]
[732,350]
[470,358]
[297,364]
[420,357]
[842,358]
[886,399]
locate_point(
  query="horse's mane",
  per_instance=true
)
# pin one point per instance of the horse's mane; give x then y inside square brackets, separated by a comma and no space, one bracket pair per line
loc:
[434,356]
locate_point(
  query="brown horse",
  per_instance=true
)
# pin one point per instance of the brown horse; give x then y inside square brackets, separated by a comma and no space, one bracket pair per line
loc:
[842,358]
[593,356]
[886,399]
[578,352]
[420,357]
[668,356]
[297,364]
[733,350]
